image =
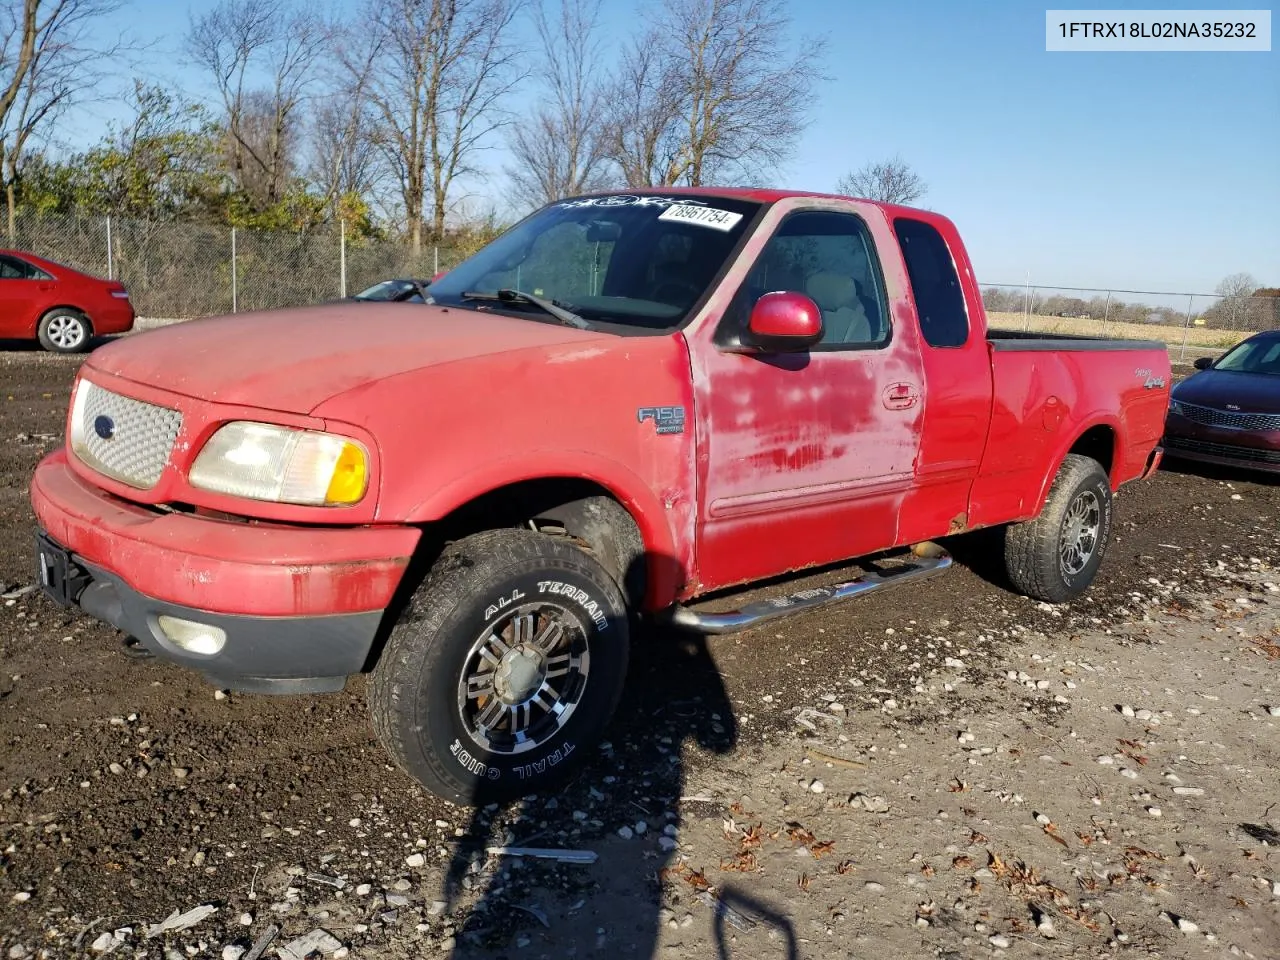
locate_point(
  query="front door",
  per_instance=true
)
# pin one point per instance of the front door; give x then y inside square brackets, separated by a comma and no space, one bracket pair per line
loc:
[809,455]
[17,297]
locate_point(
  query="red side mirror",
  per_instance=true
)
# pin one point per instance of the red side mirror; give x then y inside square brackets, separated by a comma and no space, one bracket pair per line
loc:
[784,321]
[438,276]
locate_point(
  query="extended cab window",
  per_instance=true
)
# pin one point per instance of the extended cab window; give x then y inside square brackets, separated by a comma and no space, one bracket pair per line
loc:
[934,284]
[829,257]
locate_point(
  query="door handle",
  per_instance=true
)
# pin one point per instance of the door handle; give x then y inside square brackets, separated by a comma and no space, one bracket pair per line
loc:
[900,396]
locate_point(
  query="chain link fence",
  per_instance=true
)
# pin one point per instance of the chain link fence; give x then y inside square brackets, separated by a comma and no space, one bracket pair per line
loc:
[184,270]
[1192,324]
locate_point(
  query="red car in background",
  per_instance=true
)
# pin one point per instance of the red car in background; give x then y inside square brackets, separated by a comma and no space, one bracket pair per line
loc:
[60,307]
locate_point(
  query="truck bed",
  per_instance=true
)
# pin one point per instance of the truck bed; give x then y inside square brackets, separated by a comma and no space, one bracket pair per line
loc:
[1017,340]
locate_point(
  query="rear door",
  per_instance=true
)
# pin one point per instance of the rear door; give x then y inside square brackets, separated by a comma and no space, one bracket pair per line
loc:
[958,386]
[808,455]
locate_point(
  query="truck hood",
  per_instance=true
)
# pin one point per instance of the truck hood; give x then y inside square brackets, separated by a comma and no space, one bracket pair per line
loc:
[1250,392]
[293,360]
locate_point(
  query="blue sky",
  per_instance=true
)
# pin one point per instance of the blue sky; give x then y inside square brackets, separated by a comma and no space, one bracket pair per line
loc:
[1155,171]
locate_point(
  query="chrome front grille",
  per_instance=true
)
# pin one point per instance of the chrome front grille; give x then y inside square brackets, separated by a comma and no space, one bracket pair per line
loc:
[1229,419]
[126,439]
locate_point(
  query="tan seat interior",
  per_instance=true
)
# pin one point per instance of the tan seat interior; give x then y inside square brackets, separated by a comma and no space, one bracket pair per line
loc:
[843,317]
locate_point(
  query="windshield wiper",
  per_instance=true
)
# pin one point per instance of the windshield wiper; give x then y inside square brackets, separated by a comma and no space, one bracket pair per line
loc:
[556,310]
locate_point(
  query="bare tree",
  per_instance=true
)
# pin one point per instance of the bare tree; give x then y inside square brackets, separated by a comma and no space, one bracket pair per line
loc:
[51,54]
[559,150]
[711,92]
[888,181]
[647,99]
[1235,290]
[344,157]
[435,73]
[239,41]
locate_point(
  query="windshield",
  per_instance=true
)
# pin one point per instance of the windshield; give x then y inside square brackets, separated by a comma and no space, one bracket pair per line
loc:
[1259,355]
[637,260]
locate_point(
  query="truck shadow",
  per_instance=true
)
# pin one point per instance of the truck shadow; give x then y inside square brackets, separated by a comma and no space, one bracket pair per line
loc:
[982,552]
[1221,473]
[674,712]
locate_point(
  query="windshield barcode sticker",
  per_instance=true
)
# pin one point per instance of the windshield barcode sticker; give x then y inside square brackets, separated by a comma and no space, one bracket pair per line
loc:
[703,216]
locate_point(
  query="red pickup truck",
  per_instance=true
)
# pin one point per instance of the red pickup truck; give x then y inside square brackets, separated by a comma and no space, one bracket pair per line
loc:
[623,404]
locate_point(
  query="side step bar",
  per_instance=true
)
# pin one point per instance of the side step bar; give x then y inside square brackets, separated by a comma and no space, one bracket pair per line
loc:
[930,561]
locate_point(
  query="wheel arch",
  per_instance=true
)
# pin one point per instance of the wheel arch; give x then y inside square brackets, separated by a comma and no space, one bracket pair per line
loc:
[623,523]
[1099,440]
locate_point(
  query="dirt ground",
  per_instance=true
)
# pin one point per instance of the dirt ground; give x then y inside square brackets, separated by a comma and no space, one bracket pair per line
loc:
[993,776]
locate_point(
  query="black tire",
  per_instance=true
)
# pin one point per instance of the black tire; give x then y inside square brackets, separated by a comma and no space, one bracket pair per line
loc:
[1038,554]
[64,330]
[479,588]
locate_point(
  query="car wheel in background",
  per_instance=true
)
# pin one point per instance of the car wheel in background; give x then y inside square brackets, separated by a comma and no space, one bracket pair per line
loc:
[64,331]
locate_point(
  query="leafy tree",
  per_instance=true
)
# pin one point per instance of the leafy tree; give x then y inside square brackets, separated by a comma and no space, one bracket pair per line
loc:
[161,165]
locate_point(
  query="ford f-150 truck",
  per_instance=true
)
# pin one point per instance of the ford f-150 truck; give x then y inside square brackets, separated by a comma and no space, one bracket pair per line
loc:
[623,404]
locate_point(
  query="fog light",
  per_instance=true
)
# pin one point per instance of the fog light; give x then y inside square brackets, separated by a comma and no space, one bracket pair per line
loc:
[191,636]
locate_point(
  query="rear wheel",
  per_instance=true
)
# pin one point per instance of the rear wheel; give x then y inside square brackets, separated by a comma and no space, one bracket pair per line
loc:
[505,667]
[1056,556]
[64,330]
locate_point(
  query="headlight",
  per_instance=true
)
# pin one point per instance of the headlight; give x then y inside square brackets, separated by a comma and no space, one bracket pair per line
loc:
[1175,407]
[262,461]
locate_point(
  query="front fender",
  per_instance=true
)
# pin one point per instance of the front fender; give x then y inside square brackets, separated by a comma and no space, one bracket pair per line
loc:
[668,562]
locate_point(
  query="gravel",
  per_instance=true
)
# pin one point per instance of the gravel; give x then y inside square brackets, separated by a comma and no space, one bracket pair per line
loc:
[979,710]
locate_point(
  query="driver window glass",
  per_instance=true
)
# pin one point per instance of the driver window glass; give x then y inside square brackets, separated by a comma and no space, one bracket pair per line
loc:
[829,257]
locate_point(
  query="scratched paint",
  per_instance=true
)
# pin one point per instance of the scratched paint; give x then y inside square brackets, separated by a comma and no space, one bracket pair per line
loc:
[576,356]
[817,421]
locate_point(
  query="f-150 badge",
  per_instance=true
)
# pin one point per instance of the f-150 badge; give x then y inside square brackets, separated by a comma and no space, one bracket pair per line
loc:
[665,419]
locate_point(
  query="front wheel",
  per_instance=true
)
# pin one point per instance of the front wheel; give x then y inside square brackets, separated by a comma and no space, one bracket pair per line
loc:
[504,668]
[1056,556]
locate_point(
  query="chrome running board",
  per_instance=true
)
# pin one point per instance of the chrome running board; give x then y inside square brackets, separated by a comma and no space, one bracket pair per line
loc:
[930,560]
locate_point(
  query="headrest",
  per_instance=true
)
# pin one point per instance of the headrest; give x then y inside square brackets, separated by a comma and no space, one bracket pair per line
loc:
[831,291]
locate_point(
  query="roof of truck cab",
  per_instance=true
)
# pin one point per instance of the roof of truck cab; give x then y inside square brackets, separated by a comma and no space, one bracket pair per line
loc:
[758,194]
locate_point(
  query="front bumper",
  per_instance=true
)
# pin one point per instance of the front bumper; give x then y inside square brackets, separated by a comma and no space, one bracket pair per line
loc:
[301,606]
[1222,454]
[1252,450]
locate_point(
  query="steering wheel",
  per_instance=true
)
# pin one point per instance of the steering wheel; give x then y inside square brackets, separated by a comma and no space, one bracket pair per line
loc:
[677,286]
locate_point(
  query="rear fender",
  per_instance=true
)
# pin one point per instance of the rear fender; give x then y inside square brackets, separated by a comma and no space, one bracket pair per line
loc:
[1064,447]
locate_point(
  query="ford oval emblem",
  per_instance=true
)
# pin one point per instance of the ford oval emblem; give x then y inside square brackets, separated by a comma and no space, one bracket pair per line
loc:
[104,426]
